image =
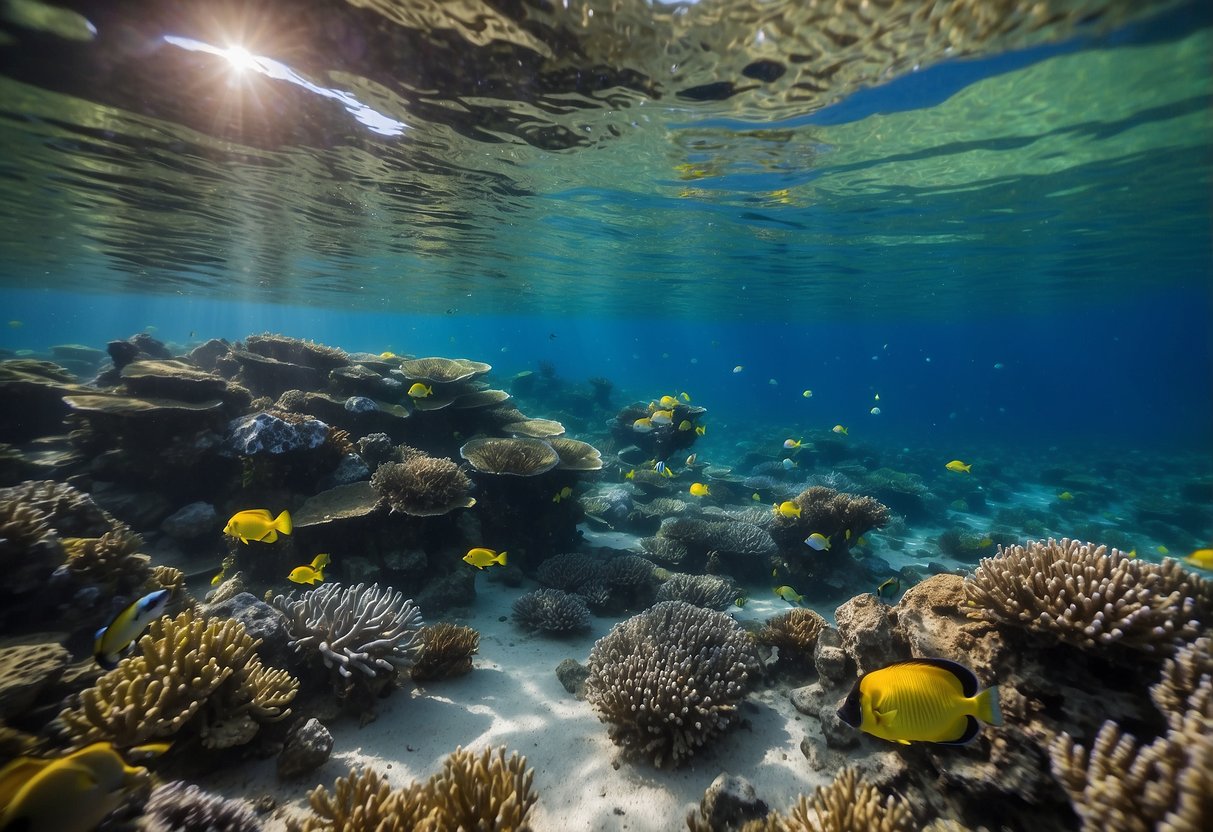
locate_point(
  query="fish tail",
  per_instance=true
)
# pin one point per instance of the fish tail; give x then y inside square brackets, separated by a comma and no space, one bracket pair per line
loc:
[500,559]
[283,523]
[988,709]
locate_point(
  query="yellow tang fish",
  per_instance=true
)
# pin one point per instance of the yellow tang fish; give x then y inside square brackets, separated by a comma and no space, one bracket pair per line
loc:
[1162,550]
[756,497]
[562,494]
[1201,558]
[221,577]
[310,574]
[701,430]
[388,354]
[685,424]
[480,557]
[668,402]
[958,466]
[840,429]
[420,391]
[787,593]
[786,509]
[792,444]
[921,700]
[258,524]
[643,425]
[111,640]
[662,417]
[698,489]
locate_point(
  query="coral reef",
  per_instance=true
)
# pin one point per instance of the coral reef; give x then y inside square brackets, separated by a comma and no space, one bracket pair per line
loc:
[112,560]
[552,611]
[423,486]
[1088,595]
[709,591]
[68,510]
[669,680]
[569,572]
[576,455]
[296,351]
[849,804]
[442,370]
[794,632]
[180,807]
[356,629]
[189,671]
[519,457]
[446,651]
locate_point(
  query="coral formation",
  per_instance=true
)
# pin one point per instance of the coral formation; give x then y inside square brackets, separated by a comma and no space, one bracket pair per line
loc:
[710,591]
[520,457]
[441,370]
[1088,595]
[535,428]
[664,549]
[794,632]
[180,807]
[296,351]
[669,680]
[552,611]
[356,629]
[112,560]
[849,804]
[423,486]
[576,455]
[189,671]
[833,513]
[446,651]
[569,572]
[68,510]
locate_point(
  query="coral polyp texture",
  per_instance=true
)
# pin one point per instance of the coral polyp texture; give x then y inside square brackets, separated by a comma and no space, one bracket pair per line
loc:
[709,591]
[1089,596]
[356,629]
[552,611]
[849,804]
[485,791]
[576,455]
[189,671]
[794,632]
[669,680]
[832,512]
[423,486]
[518,457]
[446,650]
[182,807]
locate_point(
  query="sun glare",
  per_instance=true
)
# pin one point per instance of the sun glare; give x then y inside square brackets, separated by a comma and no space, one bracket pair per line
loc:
[240,58]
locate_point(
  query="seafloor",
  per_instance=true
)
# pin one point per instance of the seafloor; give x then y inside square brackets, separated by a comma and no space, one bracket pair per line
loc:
[661,648]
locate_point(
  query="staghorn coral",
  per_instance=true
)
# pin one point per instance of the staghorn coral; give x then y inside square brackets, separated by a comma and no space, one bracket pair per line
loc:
[552,611]
[358,628]
[446,651]
[180,807]
[69,510]
[794,632]
[569,572]
[1184,684]
[669,680]
[1088,595]
[519,457]
[849,804]
[189,670]
[709,591]
[112,560]
[423,486]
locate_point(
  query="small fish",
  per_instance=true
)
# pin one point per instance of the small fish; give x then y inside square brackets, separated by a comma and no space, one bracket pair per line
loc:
[112,640]
[808,394]
[72,793]
[698,489]
[660,468]
[889,588]
[258,524]
[668,402]
[1065,496]
[787,593]
[840,429]
[686,397]
[788,464]
[738,368]
[630,475]
[985,543]
[691,460]
[562,494]
[958,466]
[701,430]
[787,509]
[662,417]
[740,601]
[818,541]
[877,398]
[662,574]
[480,558]
[388,354]
[774,571]
[221,577]
[310,574]
[1201,558]
[792,444]
[998,365]
[861,541]
[643,425]
[1162,550]
[685,424]
[1133,553]
[756,497]
[846,535]
[420,391]
[15,324]
[875,411]
[921,700]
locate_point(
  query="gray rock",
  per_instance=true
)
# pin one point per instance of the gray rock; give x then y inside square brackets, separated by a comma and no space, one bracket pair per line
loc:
[139,509]
[191,522]
[831,663]
[308,746]
[837,733]
[868,635]
[730,802]
[350,470]
[263,433]
[619,504]
[207,355]
[261,621]
[809,699]
[572,674]
[360,404]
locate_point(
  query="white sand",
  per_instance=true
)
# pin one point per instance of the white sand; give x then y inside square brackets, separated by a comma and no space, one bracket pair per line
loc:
[513,698]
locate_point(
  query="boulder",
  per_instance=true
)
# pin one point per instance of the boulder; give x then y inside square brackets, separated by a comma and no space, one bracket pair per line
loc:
[191,522]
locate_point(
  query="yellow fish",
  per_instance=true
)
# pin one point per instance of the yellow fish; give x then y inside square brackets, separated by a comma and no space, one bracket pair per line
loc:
[72,793]
[889,588]
[818,541]
[808,394]
[221,577]
[480,558]
[738,368]
[861,541]
[685,424]
[112,640]
[756,497]
[258,524]
[792,444]
[846,535]
[921,700]
[562,494]
[643,425]
[630,475]
[668,402]
[698,489]
[1201,558]
[1065,495]
[686,397]
[662,417]
[701,430]
[840,429]
[15,324]
[786,509]
[958,466]
[740,601]
[1133,554]
[310,574]
[787,593]
[420,391]
[388,354]
[1162,550]
[985,543]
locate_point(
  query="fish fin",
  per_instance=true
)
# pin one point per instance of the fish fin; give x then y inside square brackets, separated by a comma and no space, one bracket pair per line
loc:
[269,537]
[989,710]
[501,559]
[283,522]
[904,742]
[968,682]
[971,730]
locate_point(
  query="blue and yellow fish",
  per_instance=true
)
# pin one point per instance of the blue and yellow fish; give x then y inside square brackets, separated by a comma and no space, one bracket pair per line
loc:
[112,640]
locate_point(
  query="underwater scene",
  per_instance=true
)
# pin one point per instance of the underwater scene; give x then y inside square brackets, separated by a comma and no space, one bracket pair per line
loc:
[579,416]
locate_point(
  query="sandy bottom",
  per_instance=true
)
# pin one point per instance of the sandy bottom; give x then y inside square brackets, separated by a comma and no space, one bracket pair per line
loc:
[513,698]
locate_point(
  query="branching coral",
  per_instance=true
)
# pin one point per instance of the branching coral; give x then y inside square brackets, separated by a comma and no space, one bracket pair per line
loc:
[794,632]
[69,511]
[670,679]
[832,513]
[364,801]
[360,628]
[664,549]
[1185,685]
[1088,595]
[188,670]
[552,611]
[849,804]
[112,560]
[423,486]
[709,591]
[181,807]
[627,571]
[446,650]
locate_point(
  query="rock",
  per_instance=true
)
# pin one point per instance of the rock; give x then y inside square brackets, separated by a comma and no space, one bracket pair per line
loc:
[191,522]
[150,346]
[837,733]
[729,803]
[265,433]
[350,470]
[78,352]
[360,404]
[207,355]
[832,664]
[809,699]
[33,393]
[406,560]
[456,589]
[868,634]
[931,622]
[261,621]
[172,379]
[139,509]
[26,670]
[308,746]
[572,674]
[122,352]
[618,504]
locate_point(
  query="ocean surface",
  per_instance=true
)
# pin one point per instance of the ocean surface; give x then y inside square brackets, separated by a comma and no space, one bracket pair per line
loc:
[986,239]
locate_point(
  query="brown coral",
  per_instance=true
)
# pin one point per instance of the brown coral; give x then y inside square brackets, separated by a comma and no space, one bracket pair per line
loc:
[1088,595]
[446,651]
[112,560]
[849,804]
[833,513]
[576,455]
[296,351]
[519,457]
[364,801]
[794,632]
[423,486]
[69,510]
[442,370]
